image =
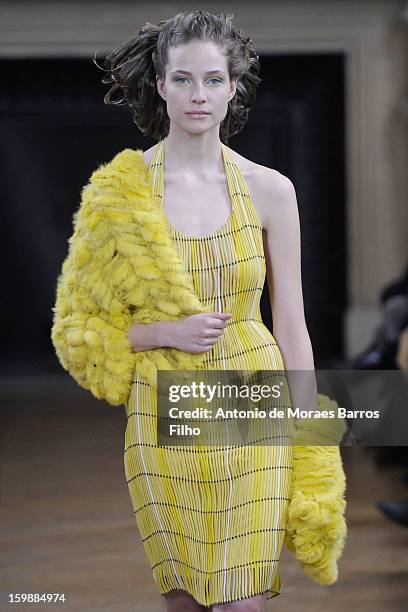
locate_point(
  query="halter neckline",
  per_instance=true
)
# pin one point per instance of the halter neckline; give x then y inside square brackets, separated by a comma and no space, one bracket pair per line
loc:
[157,162]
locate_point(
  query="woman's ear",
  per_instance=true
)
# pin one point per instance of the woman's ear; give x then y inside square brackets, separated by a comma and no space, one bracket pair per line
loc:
[233,89]
[160,87]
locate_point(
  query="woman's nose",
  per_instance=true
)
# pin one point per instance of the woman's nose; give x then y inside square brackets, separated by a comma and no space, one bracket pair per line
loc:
[198,95]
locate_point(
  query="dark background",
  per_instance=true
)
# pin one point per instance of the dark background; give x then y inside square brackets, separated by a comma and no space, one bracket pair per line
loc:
[56,129]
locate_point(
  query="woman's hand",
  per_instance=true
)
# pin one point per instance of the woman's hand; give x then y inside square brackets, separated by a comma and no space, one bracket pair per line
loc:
[199,332]
[194,334]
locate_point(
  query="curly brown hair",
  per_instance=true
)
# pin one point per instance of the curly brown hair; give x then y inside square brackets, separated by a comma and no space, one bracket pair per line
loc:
[134,65]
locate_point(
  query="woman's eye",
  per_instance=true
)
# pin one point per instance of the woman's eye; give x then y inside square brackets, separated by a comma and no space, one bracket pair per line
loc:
[182,79]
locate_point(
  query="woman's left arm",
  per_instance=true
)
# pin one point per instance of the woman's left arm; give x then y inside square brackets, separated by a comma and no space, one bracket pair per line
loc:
[315,529]
[276,199]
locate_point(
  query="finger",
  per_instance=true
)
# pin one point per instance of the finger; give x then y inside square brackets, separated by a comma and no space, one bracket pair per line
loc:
[199,348]
[218,324]
[221,315]
[208,345]
[213,332]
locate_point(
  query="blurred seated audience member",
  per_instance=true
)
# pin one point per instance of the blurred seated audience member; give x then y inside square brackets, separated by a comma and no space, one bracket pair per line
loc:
[397,511]
[382,351]
[402,352]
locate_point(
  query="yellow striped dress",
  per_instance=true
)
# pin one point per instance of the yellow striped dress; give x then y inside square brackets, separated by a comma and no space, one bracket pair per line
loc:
[212,519]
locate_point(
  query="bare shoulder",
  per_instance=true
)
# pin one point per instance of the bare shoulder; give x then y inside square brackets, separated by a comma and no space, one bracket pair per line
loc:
[271,191]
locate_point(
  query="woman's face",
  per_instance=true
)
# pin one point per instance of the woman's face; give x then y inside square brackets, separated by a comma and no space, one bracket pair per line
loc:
[197,79]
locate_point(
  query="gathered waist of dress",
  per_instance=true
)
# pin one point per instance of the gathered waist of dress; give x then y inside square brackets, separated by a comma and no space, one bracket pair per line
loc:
[252,325]
[247,344]
[234,321]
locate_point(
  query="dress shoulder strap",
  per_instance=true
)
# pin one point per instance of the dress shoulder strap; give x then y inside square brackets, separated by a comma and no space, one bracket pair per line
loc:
[155,167]
[243,203]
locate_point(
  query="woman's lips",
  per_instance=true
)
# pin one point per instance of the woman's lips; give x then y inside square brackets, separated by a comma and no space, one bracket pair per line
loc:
[197,115]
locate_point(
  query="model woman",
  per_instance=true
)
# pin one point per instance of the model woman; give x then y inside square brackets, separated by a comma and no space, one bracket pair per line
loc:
[213,523]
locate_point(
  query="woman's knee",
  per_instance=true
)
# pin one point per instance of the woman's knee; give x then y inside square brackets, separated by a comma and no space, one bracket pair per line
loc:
[257,603]
[179,600]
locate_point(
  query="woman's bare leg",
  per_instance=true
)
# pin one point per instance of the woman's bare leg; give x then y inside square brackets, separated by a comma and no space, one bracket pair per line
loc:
[180,601]
[249,604]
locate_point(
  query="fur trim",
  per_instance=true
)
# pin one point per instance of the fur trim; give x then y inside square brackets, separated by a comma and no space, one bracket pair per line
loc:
[316,528]
[121,269]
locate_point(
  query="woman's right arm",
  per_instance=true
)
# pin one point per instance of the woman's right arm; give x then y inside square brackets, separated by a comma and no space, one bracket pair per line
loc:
[90,326]
[194,334]
[144,337]
[92,323]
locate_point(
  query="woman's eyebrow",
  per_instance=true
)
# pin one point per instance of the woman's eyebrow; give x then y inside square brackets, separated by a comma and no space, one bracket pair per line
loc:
[208,71]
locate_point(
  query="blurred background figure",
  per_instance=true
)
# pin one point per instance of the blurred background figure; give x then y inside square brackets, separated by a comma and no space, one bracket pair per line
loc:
[381,354]
[398,510]
[387,351]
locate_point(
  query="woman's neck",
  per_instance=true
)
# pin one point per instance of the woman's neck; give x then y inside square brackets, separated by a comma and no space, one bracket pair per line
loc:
[193,154]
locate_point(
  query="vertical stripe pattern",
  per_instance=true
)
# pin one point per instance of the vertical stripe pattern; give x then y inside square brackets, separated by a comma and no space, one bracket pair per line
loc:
[212,519]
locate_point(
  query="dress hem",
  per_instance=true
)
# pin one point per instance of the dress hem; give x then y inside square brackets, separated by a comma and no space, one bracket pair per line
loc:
[270,595]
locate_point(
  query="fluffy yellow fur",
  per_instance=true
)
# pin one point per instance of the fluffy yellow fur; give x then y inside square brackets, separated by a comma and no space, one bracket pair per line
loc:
[316,528]
[121,269]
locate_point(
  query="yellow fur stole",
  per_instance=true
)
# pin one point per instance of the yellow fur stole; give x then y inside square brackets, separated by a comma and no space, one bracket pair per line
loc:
[122,269]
